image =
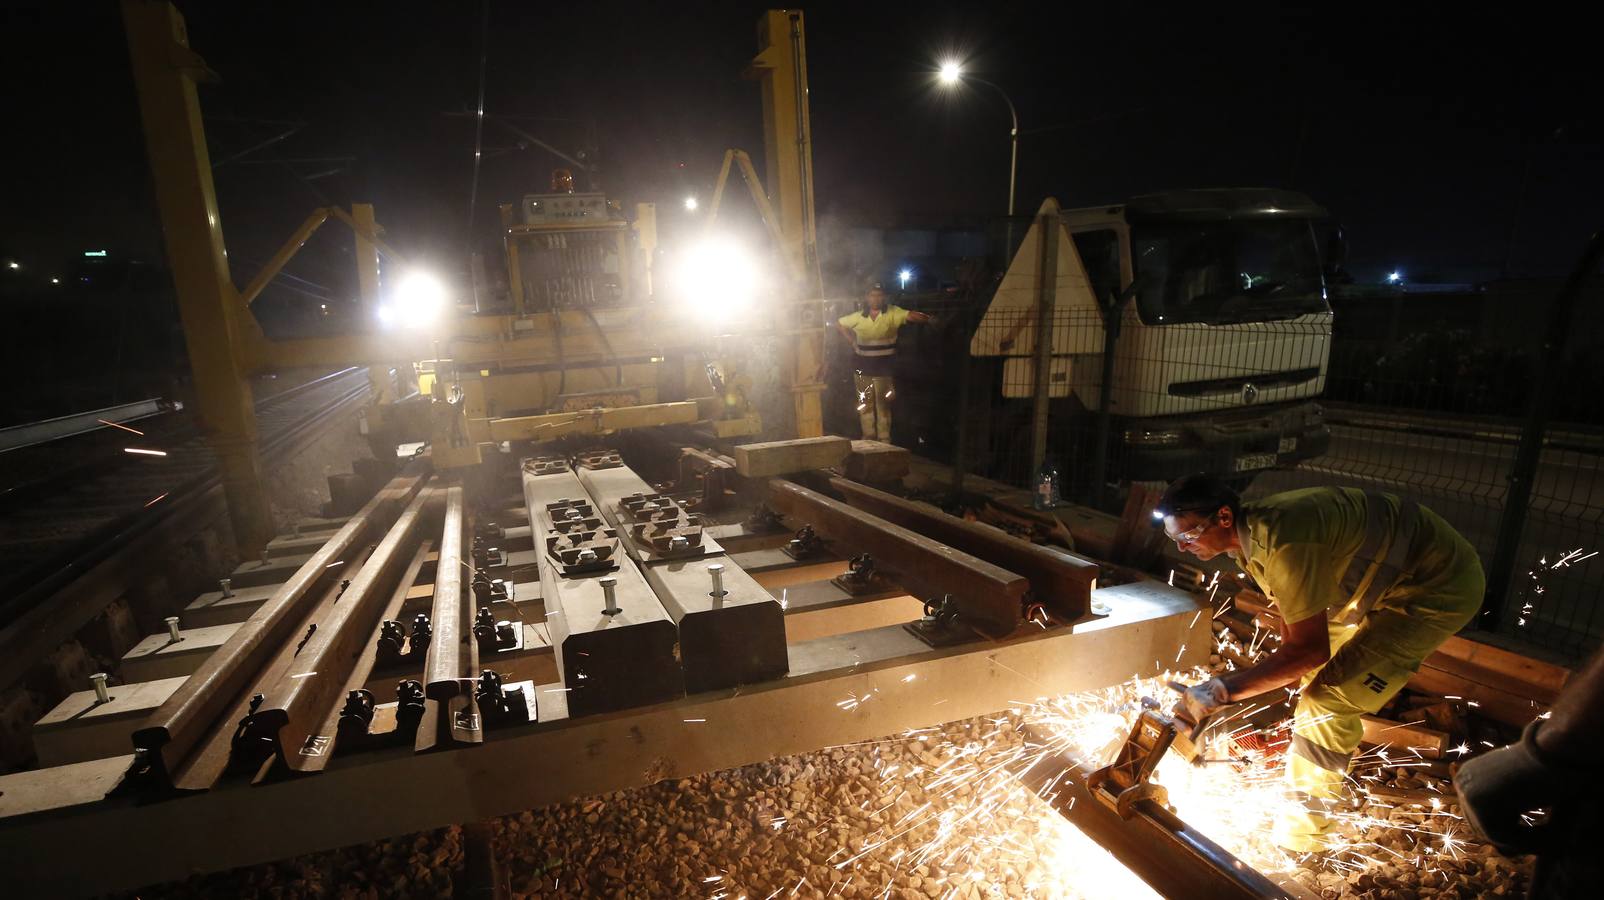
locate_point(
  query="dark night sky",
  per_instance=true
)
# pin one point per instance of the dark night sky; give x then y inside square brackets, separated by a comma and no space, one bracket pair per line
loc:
[1413,126]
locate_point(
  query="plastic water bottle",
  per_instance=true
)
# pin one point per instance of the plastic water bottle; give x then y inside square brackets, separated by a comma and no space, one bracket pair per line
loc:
[1046,495]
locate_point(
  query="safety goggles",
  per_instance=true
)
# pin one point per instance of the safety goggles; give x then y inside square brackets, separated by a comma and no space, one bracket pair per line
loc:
[1192,534]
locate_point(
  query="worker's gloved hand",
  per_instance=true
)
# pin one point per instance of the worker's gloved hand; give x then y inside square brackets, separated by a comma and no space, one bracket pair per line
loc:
[1496,789]
[1199,700]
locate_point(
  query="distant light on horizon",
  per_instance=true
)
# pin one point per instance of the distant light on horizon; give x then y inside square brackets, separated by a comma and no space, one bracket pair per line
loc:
[13,265]
[94,253]
[951,72]
[1395,277]
[903,276]
[55,281]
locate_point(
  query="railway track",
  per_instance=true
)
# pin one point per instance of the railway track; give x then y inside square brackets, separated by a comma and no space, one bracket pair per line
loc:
[62,529]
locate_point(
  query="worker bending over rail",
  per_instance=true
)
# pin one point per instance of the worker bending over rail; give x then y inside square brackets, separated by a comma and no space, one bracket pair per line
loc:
[872,331]
[1367,584]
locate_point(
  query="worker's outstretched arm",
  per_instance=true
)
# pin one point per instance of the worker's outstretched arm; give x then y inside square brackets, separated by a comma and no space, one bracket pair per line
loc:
[1306,645]
[918,318]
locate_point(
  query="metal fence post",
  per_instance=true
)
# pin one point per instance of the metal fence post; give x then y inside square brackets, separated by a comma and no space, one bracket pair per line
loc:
[1113,313]
[1518,497]
[1046,299]
[960,450]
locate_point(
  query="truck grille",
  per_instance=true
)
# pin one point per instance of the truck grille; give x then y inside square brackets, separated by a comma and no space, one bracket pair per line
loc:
[1235,383]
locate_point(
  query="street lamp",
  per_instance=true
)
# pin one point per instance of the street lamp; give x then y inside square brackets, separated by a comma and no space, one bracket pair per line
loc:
[902,278]
[952,73]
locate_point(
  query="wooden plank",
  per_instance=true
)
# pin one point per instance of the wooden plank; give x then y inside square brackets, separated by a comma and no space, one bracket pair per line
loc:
[875,462]
[1404,736]
[1497,703]
[783,457]
[1507,663]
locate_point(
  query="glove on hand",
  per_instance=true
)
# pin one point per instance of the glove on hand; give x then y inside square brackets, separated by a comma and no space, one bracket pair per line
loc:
[1497,788]
[1199,700]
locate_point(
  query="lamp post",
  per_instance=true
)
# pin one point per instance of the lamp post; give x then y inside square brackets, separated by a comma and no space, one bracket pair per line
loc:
[951,74]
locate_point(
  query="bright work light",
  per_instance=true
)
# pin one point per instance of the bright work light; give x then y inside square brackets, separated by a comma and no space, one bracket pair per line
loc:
[716,278]
[418,300]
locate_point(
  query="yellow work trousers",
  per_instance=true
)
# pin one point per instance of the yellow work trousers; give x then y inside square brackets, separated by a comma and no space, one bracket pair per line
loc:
[1369,664]
[874,405]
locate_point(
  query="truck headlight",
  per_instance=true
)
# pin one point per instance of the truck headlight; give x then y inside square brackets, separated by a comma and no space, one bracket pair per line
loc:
[1141,437]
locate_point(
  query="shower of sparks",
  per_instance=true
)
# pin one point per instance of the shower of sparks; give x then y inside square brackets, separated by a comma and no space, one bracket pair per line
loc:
[927,815]
[1536,577]
[123,427]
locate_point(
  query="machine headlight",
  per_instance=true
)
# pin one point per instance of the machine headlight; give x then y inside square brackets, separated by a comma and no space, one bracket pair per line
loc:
[1141,437]
[716,278]
[417,302]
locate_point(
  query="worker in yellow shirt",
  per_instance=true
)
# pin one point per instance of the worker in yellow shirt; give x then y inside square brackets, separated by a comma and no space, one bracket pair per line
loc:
[1367,584]
[872,331]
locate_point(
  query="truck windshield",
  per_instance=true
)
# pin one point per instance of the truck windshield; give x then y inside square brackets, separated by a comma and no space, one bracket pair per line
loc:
[1226,272]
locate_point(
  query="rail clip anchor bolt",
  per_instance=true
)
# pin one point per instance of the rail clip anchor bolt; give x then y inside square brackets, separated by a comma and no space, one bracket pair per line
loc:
[609,586]
[172,629]
[716,571]
[227,584]
[101,694]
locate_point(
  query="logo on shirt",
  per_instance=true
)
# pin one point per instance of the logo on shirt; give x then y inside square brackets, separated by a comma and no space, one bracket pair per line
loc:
[1375,684]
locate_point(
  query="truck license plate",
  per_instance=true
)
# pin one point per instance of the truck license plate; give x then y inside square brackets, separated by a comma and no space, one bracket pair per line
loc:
[1255,461]
[1288,445]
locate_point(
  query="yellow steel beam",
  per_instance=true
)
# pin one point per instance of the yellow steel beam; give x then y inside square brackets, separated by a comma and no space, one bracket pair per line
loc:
[218,329]
[781,67]
[593,421]
[282,256]
[765,210]
[368,232]
[367,255]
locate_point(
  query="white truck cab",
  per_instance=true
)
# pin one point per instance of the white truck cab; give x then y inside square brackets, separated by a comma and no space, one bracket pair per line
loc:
[1214,303]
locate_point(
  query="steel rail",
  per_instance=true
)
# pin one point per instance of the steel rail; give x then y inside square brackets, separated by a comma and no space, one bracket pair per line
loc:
[988,597]
[294,708]
[1060,581]
[1173,857]
[175,729]
[45,431]
[54,570]
[450,649]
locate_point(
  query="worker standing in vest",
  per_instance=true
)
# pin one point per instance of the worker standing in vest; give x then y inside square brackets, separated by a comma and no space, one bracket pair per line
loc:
[1367,584]
[872,332]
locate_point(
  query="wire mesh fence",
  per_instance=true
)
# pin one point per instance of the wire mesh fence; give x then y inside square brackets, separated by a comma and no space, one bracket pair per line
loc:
[1420,396]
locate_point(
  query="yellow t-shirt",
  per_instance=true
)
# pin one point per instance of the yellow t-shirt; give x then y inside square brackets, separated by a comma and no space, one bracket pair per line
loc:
[874,340]
[1299,544]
